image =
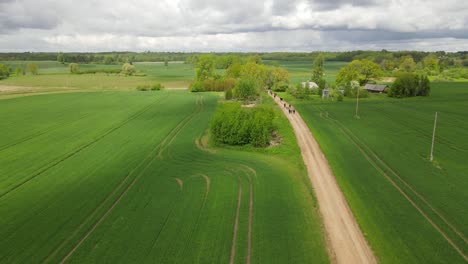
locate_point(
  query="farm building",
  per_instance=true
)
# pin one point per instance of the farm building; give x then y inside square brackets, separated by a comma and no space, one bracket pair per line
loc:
[311,85]
[375,88]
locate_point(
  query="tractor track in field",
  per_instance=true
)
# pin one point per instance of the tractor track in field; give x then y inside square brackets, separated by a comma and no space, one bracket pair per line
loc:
[236,223]
[385,165]
[149,160]
[362,147]
[78,150]
[422,132]
[205,197]
[248,172]
[249,230]
[40,133]
[345,240]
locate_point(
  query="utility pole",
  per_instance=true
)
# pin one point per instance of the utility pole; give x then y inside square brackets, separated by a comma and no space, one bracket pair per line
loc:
[357,104]
[433,138]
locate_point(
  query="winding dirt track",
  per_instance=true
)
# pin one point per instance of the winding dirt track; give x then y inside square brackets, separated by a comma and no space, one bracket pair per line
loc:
[345,240]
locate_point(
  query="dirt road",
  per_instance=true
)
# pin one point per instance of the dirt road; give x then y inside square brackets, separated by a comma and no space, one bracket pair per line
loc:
[345,240]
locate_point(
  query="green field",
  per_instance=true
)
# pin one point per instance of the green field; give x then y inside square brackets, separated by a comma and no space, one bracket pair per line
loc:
[411,210]
[128,177]
[302,70]
[55,76]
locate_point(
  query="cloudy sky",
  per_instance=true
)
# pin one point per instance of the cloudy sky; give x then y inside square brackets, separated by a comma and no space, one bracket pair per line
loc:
[240,25]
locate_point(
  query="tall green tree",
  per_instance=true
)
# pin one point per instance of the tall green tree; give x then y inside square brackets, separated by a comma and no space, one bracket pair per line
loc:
[407,64]
[205,67]
[358,70]
[317,70]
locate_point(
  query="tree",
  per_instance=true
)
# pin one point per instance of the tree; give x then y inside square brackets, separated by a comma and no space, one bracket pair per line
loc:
[18,71]
[410,84]
[255,59]
[278,79]
[317,71]
[257,72]
[246,89]
[4,71]
[32,68]
[166,62]
[61,58]
[407,64]
[128,69]
[205,67]
[431,65]
[74,68]
[234,70]
[358,70]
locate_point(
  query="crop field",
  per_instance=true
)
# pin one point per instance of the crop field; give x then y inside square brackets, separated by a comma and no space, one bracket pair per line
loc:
[55,76]
[128,177]
[410,209]
[302,70]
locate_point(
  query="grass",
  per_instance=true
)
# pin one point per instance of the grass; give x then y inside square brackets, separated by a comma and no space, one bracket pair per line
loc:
[302,70]
[117,177]
[404,203]
[54,76]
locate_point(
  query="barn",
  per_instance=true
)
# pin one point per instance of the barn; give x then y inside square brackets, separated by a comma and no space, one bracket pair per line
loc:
[375,88]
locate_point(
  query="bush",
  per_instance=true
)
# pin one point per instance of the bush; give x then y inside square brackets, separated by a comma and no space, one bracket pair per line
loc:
[157,87]
[246,89]
[213,84]
[409,84]
[196,86]
[228,94]
[128,69]
[74,68]
[4,71]
[147,87]
[233,125]
[32,68]
[299,91]
[143,87]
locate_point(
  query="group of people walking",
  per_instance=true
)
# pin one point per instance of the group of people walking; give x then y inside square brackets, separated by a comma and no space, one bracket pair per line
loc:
[291,110]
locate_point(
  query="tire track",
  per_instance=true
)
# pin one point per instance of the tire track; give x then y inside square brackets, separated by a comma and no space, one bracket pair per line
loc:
[431,222]
[236,223]
[40,133]
[377,158]
[149,159]
[73,153]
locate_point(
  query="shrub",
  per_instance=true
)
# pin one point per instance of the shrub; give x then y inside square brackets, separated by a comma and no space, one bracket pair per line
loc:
[409,84]
[143,88]
[196,86]
[299,91]
[128,69]
[228,94]
[246,89]
[32,68]
[4,71]
[157,87]
[74,68]
[233,125]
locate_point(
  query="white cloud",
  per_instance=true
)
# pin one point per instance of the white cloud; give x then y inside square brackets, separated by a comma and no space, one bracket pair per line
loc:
[242,25]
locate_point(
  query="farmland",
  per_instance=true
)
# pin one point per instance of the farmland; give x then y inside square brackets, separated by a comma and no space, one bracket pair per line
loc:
[410,209]
[54,76]
[129,177]
[301,70]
